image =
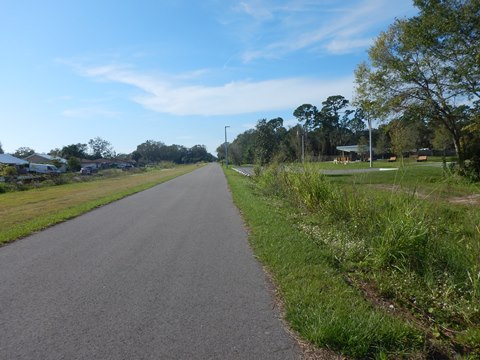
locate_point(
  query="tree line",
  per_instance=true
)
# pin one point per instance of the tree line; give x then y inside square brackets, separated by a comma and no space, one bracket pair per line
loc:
[149,152]
[96,148]
[320,131]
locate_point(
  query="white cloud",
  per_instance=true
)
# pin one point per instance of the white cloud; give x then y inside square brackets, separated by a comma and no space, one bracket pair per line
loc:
[236,97]
[336,30]
[239,97]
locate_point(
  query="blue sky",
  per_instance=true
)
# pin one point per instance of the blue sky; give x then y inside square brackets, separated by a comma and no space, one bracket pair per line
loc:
[174,71]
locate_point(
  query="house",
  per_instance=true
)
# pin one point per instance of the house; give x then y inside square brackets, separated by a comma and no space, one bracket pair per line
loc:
[93,164]
[9,160]
[106,164]
[48,159]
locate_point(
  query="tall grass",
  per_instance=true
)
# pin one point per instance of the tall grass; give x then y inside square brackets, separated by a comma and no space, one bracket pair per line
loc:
[423,255]
[319,304]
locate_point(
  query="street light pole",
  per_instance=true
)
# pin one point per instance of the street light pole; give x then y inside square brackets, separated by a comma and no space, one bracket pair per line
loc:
[301,138]
[370,139]
[303,147]
[226,146]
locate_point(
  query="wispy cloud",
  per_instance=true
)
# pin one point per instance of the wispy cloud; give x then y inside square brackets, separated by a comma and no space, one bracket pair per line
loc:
[164,95]
[304,24]
[345,46]
[255,9]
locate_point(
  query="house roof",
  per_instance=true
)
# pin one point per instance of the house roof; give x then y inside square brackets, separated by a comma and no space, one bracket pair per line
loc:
[11,160]
[94,161]
[48,157]
[353,148]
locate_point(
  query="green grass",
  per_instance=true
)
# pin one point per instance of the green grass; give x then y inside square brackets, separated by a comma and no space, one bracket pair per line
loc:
[422,178]
[24,212]
[420,254]
[319,303]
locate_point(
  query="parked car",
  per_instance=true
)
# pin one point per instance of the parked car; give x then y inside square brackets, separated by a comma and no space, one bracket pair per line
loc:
[85,171]
[43,169]
[125,166]
[88,170]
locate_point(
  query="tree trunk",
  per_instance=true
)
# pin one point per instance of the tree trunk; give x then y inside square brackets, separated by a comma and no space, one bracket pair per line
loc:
[459,150]
[451,122]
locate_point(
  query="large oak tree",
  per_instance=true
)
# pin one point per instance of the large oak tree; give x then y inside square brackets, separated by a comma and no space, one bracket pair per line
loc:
[429,63]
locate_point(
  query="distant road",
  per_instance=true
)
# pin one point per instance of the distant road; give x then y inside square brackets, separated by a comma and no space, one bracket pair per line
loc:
[163,274]
[244,170]
[248,170]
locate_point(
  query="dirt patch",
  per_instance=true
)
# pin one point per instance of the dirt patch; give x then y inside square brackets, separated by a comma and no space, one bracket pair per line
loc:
[473,199]
[466,200]
[434,349]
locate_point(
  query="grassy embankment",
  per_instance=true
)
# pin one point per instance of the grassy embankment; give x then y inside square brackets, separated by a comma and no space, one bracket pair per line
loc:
[24,212]
[369,270]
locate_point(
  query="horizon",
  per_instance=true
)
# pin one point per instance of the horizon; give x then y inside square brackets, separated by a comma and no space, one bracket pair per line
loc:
[175,73]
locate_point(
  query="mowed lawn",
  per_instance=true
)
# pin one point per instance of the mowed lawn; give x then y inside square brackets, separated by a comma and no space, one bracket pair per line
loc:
[427,180]
[24,212]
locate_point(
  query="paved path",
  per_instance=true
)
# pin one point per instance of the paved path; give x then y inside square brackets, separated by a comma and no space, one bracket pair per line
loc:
[355,171]
[163,274]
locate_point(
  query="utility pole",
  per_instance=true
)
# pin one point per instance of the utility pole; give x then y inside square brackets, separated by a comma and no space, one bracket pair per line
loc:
[226,146]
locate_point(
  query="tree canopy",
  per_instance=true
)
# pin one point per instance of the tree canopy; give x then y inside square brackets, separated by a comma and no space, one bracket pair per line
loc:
[427,65]
[152,151]
[100,148]
[74,150]
[267,139]
[23,152]
[336,123]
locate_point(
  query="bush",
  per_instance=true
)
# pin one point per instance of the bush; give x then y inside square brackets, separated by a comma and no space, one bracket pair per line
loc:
[471,169]
[311,188]
[9,171]
[20,186]
[59,179]
[271,179]
[166,165]
[74,164]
